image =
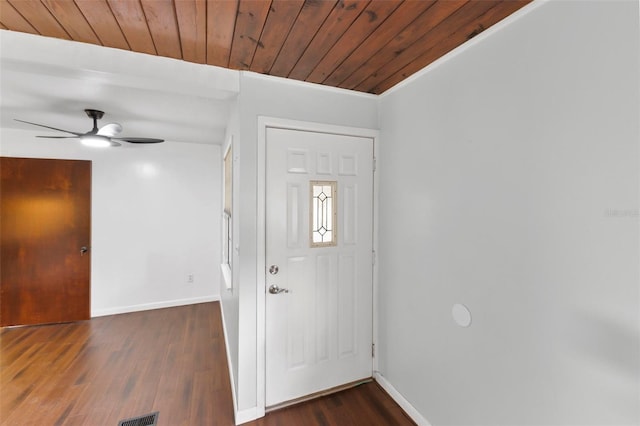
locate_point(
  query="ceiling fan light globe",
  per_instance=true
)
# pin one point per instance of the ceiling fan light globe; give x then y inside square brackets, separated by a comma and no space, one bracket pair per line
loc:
[110,130]
[96,141]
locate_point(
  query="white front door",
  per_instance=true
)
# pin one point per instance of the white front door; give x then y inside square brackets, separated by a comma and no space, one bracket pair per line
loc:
[319,226]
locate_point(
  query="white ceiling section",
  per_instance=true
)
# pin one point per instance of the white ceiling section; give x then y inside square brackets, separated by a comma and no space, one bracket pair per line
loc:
[51,82]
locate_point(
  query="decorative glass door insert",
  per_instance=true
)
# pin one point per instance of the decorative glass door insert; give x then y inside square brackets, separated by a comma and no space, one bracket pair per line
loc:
[323,220]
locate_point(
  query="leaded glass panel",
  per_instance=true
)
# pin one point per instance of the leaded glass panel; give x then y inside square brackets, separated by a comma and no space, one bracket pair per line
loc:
[323,217]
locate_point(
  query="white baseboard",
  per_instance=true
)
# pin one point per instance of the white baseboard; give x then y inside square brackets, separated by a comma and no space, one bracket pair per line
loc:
[229,365]
[397,397]
[241,416]
[244,416]
[154,305]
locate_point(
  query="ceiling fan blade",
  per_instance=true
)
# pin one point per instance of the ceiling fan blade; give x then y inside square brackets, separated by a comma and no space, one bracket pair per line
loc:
[140,140]
[58,137]
[49,127]
[109,130]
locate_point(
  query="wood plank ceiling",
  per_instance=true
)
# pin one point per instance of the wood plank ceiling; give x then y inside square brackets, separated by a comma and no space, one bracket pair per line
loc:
[363,45]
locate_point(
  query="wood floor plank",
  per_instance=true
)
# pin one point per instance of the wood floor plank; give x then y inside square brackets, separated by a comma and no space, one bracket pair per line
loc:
[172,360]
[363,405]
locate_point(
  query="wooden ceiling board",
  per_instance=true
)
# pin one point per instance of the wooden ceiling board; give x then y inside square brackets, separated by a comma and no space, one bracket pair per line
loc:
[336,24]
[40,18]
[163,26]
[424,23]
[72,20]
[436,34]
[12,20]
[461,35]
[251,18]
[282,16]
[398,20]
[363,45]
[221,21]
[192,25]
[133,24]
[311,17]
[99,16]
[374,15]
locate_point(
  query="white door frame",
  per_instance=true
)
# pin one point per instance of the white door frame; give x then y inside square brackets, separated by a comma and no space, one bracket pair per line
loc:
[281,123]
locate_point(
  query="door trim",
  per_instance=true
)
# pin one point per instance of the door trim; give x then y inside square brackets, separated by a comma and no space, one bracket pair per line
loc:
[265,122]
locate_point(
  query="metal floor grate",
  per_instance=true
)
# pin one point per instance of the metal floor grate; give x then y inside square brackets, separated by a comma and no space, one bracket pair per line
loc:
[146,420]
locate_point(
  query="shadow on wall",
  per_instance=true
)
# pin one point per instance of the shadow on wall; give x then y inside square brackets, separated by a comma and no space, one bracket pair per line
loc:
[608,342]
[610,348]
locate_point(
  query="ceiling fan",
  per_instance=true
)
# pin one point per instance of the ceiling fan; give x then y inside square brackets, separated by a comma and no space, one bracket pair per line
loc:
[97,137]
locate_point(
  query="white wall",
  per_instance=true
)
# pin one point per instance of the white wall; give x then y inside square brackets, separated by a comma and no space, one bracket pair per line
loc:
[229,298]
[273,97]
[155,219]
[509,182]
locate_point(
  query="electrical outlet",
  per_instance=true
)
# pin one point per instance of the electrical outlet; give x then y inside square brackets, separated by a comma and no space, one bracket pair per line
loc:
[190,278]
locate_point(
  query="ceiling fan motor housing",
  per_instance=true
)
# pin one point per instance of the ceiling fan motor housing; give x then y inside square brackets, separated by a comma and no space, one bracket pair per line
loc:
[94,113]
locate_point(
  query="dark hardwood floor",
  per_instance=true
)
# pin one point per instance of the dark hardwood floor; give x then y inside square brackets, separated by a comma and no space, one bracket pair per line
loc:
[172,360]
[364,405]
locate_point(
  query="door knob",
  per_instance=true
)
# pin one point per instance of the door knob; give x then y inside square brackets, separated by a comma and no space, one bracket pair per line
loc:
[274,289]
[83,250]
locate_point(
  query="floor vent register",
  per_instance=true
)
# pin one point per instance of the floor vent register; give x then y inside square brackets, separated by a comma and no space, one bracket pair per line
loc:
[146,420]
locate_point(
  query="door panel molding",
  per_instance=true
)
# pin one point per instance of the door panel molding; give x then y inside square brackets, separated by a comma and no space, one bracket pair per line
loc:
[265,122]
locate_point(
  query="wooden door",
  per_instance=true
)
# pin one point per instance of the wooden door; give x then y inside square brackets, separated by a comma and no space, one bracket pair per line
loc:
[319,224]
[45,221]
